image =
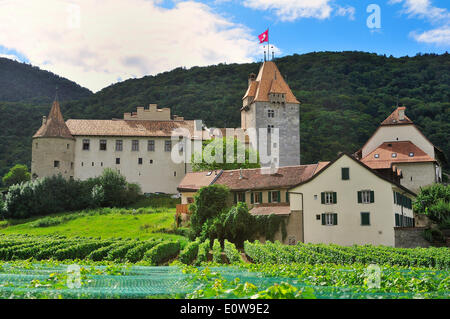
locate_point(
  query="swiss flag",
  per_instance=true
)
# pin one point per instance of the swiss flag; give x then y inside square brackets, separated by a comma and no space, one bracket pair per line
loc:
[264,37]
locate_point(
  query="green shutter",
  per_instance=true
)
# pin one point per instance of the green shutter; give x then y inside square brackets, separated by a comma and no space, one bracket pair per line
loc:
[287,197]
[372,196]
[244,198]
[235,198]
[323,219]
[279,196]
[395,198]
[260,198]
[334,219]
[397,220]
[252,199]
[322,197]
[270,196]
[345,173]
[334,197]
[359,197]
[365,219]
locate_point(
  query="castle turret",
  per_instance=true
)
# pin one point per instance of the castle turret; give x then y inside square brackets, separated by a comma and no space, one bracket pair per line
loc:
[269,103]
[53,148]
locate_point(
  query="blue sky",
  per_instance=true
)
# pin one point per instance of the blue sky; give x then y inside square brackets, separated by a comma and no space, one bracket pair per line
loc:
[98,43]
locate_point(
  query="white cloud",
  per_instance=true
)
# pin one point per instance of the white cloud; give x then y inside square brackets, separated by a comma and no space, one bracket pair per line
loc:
[439,36]
[346,11]
[113,39]
[423,9]
[290,10]
[9,56]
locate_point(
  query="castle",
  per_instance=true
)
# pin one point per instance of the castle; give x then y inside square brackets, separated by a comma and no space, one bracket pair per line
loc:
[140,144]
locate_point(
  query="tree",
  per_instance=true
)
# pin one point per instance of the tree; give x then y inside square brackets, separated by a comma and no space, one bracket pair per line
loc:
[434,202]
[212,162]
[16,175]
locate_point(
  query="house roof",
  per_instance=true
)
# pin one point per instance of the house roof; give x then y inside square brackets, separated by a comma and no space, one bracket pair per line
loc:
[255,178]
[360,163]
[402,149]
[195,180]
[394,118]
[269,80]
[54,125]
[127,127]
[271,209]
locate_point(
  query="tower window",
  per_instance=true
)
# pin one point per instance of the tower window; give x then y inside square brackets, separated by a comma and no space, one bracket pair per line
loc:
[119,145]
[269,129]
[92,163]
[68,146]
[174,173]
[151,146]
[117,160]
[71,165]
[135,145]
[86,145]
[102,145]
[140,160]
[151,161]
[56,164]
[270,113]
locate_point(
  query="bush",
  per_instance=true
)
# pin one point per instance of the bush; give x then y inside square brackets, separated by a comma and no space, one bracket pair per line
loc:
[16,175]
[189,252]
[162,252]
[217,252]
[137,253]
[203,251]
[231,252]
[434,202]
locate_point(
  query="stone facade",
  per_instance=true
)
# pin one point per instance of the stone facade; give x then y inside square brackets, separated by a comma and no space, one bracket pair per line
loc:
[410,238]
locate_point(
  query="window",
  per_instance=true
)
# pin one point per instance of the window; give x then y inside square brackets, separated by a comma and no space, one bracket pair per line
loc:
[71,165]
[68,146]
[135,145]
[167,146]
[101,164]
[151,146]
[119,145]
[317,217]
[239,197]
[175,173]
[92,163]
[151,161]
[140,160]
[274,196]
[411,154]
[256,198]
[329,219]
[394,155]
[269,129]
[270,113]
[102,145]
[365,219]
[56,164]
[82,164]
[329,197]
[345,172]
[86,145]
[376,155]
[190,200]
[117,160]
[366,197]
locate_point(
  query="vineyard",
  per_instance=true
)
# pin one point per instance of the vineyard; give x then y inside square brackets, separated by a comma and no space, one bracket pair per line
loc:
[126,268]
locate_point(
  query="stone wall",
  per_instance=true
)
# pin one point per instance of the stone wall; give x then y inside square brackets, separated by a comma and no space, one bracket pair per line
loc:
[410,237]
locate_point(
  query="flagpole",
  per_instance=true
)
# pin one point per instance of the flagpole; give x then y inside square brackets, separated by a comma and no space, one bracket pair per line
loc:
[268,45]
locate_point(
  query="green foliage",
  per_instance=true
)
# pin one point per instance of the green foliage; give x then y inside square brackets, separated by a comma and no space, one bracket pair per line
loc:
[56,194]
[214,156]
[162,252]
[434,202]
[217,251]
[209,202]
[237,224]
[267,226]
[233,255]
[203,251]
[189,253]
[16,175]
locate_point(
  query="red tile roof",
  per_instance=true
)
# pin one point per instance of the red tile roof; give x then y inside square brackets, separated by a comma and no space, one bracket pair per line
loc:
[127,128]
[401,148]
[269,80]
[196,180]
[394,118]
[54,125]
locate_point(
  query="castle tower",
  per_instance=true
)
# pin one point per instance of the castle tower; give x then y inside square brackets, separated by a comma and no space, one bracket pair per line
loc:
[53,147]
[269,103]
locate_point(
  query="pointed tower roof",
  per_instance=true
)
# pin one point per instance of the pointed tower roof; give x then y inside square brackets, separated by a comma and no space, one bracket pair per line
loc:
[398,117]
[54,125]
[269,80]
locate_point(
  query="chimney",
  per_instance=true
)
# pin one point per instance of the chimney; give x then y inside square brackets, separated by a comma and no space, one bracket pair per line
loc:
[251,78]
[401,113]
[44,120]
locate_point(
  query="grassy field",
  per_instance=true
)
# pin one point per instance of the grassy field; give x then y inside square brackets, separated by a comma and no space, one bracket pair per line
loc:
[142,223]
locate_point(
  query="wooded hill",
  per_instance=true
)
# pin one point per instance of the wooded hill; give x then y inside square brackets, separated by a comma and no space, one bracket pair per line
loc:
[344,96]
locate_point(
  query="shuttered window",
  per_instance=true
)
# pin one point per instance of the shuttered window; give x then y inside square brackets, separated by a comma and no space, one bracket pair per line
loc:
[328,197]
[366,197]
[365,219]
[329,219]
[345,173]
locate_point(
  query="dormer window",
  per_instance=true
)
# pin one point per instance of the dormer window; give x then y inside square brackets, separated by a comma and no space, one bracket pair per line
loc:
[270,113]
[394,155]
[411,154]
[376,155]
